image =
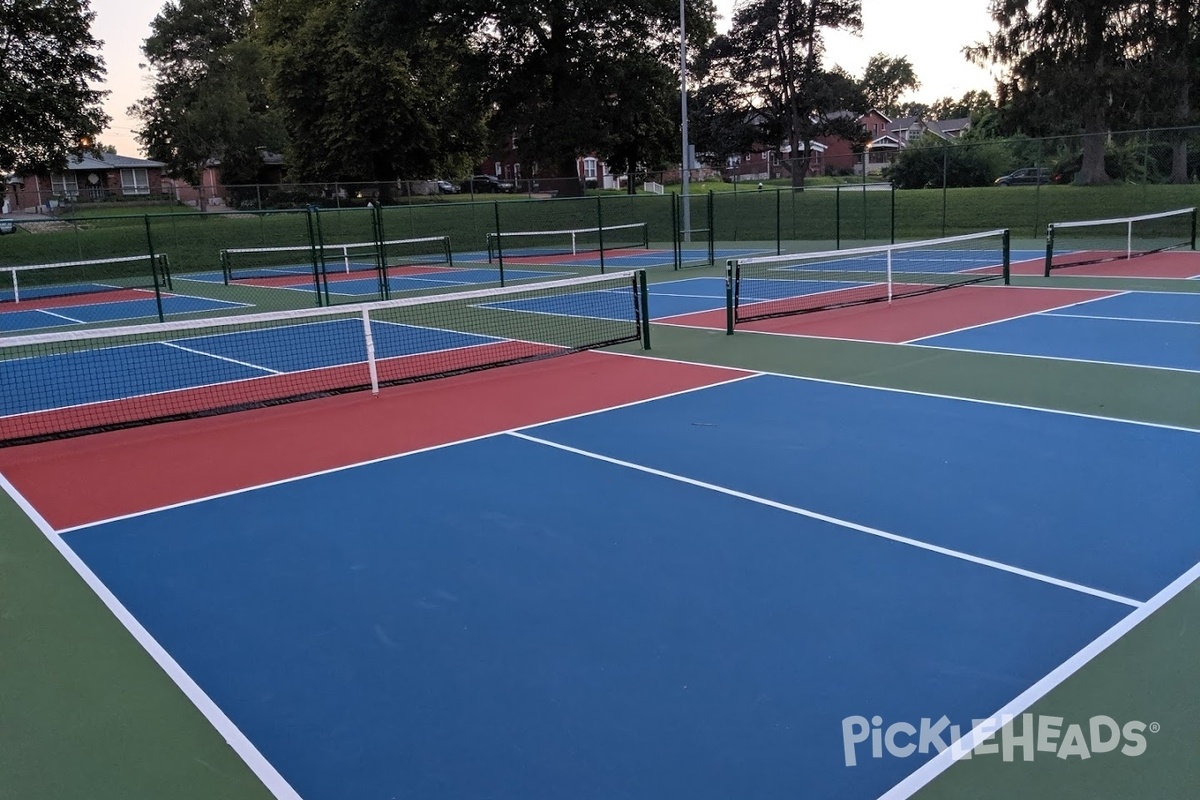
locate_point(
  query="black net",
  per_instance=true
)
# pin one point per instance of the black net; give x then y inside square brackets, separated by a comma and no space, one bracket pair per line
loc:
[1073,244]
[776,286]
[84,381]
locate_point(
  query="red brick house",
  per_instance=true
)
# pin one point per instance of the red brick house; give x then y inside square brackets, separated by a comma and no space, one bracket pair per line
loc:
[88,177]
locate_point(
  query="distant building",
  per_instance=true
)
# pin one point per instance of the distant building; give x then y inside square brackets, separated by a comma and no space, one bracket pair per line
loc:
[88,177]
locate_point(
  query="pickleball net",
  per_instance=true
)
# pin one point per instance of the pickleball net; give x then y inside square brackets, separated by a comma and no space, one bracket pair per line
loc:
[43,281]
[1074,244]
[797,283]
[87,381]
[567,242]
[254,263]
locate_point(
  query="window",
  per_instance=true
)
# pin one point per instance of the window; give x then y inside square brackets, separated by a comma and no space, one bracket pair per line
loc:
[589,168]
[65,184]
[135,181]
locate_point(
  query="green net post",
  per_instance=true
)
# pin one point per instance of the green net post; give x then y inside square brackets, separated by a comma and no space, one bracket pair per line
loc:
[226,269]
[643,290]
[313,253]
[729,296]
[154,276]
[676,244]
[1193,244]
[837,218]
[449,254]
[600,230]
[1049,249]
[893,213]
[712,235]
[317,237]
[778,222]
[1007,257]
[377,232]
[499,241]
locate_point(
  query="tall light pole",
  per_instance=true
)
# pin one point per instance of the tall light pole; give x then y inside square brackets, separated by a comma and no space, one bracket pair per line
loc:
[685,163]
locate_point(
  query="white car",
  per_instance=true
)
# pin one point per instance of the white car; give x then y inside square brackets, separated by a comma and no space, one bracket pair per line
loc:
[6,226]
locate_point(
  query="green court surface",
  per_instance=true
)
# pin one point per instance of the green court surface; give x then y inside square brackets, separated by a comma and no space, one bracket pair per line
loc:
[85,712]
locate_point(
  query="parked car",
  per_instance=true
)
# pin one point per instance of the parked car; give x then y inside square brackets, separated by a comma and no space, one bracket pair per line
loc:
[446,187]
[1028,176]
[481,184]
[6,226]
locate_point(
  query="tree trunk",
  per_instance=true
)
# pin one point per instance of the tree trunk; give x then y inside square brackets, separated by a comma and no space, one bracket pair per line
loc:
[1092,171]
[1179,148]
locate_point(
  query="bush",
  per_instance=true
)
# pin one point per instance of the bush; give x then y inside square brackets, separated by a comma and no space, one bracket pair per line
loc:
[927,161]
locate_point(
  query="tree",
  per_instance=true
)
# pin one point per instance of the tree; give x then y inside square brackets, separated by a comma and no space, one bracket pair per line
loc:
[49,60]
[885,79]
[1166,36]
[552,68]
[973,104]
[369,92]
[778,47]
[1066,65]
[638,127]
[209,98]
[719,117]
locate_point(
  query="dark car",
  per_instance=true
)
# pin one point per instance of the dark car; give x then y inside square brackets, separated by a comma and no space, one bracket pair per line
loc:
[1028,176]
[481,184]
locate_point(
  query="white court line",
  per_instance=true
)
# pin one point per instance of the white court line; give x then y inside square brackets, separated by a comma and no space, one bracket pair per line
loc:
[841,523]
[913,392]
[220,358]
[1022,702]
[1124,319]
[745,375]
[58,316]
[237,740]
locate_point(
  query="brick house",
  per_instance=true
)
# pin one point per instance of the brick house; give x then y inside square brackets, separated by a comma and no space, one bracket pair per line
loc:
[87,177]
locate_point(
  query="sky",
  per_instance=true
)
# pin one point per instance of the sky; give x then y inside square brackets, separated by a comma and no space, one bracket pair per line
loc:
[931,34]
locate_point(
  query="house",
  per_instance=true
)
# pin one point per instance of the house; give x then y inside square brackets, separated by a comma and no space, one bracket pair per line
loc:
[211,190]
[87,177]
[898,133]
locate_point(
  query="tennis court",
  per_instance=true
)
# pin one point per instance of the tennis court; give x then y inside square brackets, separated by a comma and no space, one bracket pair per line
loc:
[676,577]
[15,319]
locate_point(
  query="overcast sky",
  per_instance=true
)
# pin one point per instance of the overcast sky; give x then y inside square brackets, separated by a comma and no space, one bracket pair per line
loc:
[930,33]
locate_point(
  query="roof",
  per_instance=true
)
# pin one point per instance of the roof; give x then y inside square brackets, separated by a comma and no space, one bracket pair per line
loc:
[106,161]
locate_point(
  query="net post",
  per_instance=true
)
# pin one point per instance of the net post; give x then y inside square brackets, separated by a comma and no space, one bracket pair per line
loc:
[372,367]
[1007,257]
[380,250]
[599,230]
[712,236]
[676,246]
[889,277]
[1049,250]
[154,270]
[1129,239]
[643,290]
[449,252]
[499,241]
[778,222]
[316,239]
[1193,242]
[893,213]
[16,288]
[166,271]
[730,266]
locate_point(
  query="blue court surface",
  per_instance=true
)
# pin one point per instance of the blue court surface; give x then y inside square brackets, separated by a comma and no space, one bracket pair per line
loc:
[134,370]
[671,298]
[1146,329]
[679,598]
[59,316]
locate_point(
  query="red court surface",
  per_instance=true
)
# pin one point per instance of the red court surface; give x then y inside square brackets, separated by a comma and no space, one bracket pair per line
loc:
[1170,264]
[86,479]
[908,318]
[78,299]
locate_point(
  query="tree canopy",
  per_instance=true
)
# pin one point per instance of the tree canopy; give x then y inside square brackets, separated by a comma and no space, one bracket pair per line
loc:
[49,60]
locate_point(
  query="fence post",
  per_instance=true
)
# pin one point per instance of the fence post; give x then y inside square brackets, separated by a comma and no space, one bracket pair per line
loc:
[153,270]
[600,230]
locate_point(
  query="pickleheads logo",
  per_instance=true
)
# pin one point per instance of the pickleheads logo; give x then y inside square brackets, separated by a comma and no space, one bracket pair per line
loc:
[1027,734]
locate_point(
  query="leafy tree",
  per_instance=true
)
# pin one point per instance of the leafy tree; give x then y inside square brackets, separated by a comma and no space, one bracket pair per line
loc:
[370,92]
[930,160]
[973,104]
[1166,38]
[720,119]
[1066,65]
[48,58]
[208,99]
[638,128]
[778,47]
[557,68]
[885,79]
